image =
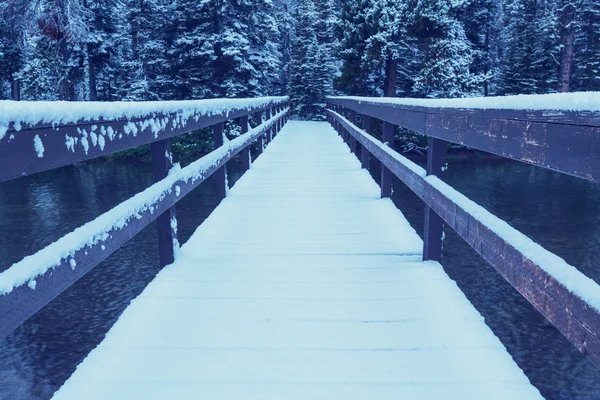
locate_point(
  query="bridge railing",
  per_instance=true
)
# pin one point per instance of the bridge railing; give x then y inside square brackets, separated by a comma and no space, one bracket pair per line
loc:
[38,136]
[564,141]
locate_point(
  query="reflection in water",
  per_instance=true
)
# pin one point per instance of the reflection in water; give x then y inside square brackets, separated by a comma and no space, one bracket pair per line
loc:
[559,212]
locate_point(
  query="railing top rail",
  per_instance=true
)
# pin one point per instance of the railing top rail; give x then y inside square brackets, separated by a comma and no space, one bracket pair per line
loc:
[22,115]
[38,136]
[560,132]
[581,108]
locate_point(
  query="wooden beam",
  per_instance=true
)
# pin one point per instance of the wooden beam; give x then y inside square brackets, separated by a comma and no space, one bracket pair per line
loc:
[64,143]
[563,141]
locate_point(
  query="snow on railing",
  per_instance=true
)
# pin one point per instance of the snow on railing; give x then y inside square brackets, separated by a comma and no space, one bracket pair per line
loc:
[36,136]
[564,295]
[581,101]
[17,115]
[31,283]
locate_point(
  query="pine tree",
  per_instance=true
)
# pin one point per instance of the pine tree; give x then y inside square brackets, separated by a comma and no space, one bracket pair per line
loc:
[285,24]
[530,64]
[326,25]
[387,43]
[358,76]
[306,93]
[445,70]
[586,74]
[482,22]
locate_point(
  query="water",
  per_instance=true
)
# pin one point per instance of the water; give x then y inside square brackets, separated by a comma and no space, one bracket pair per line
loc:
[561,213]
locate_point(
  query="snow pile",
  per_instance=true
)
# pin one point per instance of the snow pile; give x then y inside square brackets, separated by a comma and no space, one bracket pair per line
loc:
[15,114]
[39,146]
[98,230]
[580,101]
[574,280]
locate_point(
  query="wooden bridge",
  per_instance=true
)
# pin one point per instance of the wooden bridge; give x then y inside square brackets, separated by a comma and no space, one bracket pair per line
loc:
[306,281]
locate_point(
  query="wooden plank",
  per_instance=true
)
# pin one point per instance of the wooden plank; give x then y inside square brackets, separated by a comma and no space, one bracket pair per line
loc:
[17,306]
[578,321]
[18,156]
[567,142]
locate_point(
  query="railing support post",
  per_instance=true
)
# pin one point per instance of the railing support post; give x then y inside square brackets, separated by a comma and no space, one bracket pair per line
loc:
[221,173]
[261,139]
[434,225]
[353,144]
[245,154]
[364,153]
[162,162]
[386,174]
[268,117]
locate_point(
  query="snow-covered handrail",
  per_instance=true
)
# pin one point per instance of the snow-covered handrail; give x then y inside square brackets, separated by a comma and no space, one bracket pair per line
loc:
[560,132]
[31,283]
[561,293]
[37,136]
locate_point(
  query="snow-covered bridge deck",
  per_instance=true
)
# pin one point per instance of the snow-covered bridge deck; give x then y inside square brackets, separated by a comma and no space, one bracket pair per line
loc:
[303,284]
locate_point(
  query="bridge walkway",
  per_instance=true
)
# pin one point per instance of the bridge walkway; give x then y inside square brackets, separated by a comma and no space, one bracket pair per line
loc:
[302,284]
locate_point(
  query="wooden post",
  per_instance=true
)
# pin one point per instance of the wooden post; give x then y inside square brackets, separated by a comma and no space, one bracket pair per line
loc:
[386,174]
[261,139]
[245,153]
[276,125]
[162,162]
[434,225]
[221,173]
[353,144]
[364,154]
[268,117]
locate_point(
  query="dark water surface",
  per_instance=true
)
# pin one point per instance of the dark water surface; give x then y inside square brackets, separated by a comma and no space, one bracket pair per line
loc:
[559,212]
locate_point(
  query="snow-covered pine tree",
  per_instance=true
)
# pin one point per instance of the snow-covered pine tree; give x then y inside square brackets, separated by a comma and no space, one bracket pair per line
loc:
[529,64]
[11,50]
[445,71]
[586,73]
[358,76]
[225,48]
[482,22]
[389,47]
[285,24]
[306,91]
[145,38]
[327,22]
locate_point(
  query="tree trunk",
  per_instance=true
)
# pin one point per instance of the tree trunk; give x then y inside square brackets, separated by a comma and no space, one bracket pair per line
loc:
[15,89]
[391,77]
[567,36]
[64,84]
[92,75]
